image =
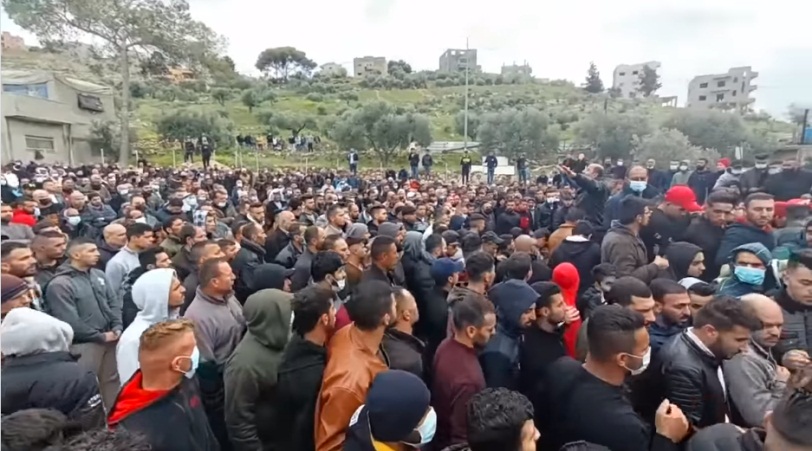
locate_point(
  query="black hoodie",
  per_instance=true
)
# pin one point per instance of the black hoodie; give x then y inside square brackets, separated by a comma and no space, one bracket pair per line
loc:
[680,255]
[298,385]
[582,253]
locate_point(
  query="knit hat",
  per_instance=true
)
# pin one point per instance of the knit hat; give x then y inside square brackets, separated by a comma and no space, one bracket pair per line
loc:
[389,229]
[357,233]
[396,403]
[11,287]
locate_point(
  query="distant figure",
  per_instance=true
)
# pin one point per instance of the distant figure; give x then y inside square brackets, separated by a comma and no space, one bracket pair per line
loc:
[491,163]
[352,158]
[465,167]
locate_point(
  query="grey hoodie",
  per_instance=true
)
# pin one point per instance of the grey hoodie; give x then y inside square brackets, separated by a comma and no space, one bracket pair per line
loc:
[25,331]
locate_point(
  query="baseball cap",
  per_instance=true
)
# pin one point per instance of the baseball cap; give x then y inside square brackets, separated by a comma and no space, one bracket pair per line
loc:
[684,197]
[443,268]
[491,237]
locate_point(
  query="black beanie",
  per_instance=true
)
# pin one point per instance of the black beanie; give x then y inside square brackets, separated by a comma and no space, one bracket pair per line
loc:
[396,403]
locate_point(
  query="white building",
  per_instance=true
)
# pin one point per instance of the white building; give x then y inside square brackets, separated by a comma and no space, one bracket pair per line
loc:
[626,78]
[730,90]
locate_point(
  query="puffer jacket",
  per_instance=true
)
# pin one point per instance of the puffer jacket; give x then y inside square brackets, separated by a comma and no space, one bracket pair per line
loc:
[743,233]
[627,252]
[732,286]
[84,300]
[691,381]
[727,437]
[245,264]
[797,332]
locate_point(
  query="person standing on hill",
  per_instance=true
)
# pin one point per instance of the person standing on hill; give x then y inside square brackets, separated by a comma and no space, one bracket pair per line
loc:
[465,166]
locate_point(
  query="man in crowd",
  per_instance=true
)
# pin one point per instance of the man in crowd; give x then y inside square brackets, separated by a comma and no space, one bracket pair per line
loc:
[139,239]
[673,312]
[313,239]
[623,247]
[759,209]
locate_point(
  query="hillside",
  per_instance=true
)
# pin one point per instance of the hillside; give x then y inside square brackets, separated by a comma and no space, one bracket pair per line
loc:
[564,106]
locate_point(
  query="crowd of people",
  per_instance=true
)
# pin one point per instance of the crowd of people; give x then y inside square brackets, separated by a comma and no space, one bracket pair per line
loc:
[599,307]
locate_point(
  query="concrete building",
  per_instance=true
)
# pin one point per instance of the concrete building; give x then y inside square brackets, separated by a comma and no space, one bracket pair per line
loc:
[626,78]
[728,91]
[48,117]
[333,70]
[11,42]
[177,75]
[517,70]
[455,60]
[369,65]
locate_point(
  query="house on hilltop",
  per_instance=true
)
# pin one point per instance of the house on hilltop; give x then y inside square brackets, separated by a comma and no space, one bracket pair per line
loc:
[48,117]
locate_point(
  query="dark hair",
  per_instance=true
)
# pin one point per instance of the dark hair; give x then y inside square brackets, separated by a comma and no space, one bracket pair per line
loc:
[470,311]
[330,241]
[167,223]
[630,208]
[308,305]
[702,289]
[107,440]
[582,228]
[324,263]
[477,265]
[433,241]
[603,270]
[757,196]
[517,266]
[252,231]
[197,250]
[42,225]
[186,232]
[625,288]
[209,270]
[369,303]
[799,258]
[7,247]
[574,215]
[76,242]
[791,418]
[660,288]
[496,417]
[332,210]
[611,331]
[311,234]
[582,445]
[150,256]
[546,291]
[723,196]
[237,228]
[137,229]
[380,246]
[724,313]
[48,234]
[33,429]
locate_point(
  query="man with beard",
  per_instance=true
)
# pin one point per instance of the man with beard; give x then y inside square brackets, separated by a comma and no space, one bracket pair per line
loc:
[673,310]
[13,231]
[669,220]
[707,229]
[691,363]
[593,192]
[755,381]
[791,183]
[457,376]
[508,219]
[795,299]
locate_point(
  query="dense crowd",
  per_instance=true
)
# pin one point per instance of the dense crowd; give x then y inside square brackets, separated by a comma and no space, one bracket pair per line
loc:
[615,306]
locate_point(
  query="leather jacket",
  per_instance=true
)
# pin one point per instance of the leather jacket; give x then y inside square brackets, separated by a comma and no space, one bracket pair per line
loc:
[691,380]
[350,369]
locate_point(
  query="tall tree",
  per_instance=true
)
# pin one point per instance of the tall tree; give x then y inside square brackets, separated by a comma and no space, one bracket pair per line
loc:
[709,129]
[668,144]
[514,131]
[378,126]
[284,62]
[649,81]
[593,84]
[251,99]
[292,122]
[612,134]
[123,27]
[399,65]
[474,119]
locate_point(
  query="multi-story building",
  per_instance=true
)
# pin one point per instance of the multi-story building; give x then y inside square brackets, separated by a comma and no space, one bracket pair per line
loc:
[517,70]
[369,65]
[11,42]
[626,78]
[730,90]
[333,70]
[456,60]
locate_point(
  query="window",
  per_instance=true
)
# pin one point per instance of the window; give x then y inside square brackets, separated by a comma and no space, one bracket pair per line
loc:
[703,98]
[703,85]
[734,94]
[622,74]
[720,97]
[90,103]
[735,79]
[635,73]
[33,90]
[720,84]
[39,144]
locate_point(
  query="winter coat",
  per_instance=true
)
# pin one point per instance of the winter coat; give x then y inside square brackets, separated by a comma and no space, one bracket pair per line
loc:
[245,264]
[701,182]
[287,256]
[708,237]
[251,371]
[589,300]
[592,197]
[661,333]
[681,178]
[752,180]
[171,245]
[274,243]
[405,352]
[106,253]
[84,300]
[726,437]
[559,235]
[417,269]
[298,384]
[301,270]
[17,232]
[627,252]
[680,255]
[797,332]
[788,185]
[40,373]
[150,294]
[183,264]
[583,254]
[752,385]
[732,286]
[613,204]
[743,233]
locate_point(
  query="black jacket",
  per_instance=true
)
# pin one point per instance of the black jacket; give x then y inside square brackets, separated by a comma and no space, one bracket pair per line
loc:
[52,380]
[287,256]
[708,237]
[691,381]
[301,270]
[176,421]
[742,233]
[128,308]
[788,185]
[274,243]
[591,198]
[584,255]
[588,301]
[537,352]
[506,221]
[245,263]
[727,437]
[106,252]
[405,352]
[298,385]
[660,232]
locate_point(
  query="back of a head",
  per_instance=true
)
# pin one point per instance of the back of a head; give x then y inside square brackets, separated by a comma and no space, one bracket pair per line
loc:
[789,427]
[583,228]
[478,265]
[661,287]
[611,331]
[630,208]
[517,266]
[574,215]
[724,313]
[625,288]
[25,331]
[496,418]
[324,263]
[162,338]
[308,306]
[33,429]
[107,440]
[470,311]
[149,257]
[370,302]
[380,246]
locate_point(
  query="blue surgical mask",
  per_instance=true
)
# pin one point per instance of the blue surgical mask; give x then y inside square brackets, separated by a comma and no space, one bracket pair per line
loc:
[638,186]
[427,428]
[750,276]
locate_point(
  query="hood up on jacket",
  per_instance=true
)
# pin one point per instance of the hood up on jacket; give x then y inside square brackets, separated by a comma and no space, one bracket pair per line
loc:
[512,298]
[270,275]
[567,278]
[268,316]
[414,248]
[732,286]
[680,255]
[25,331]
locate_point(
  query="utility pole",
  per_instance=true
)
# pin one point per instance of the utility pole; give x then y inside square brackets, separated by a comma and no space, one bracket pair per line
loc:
[465,121]
[803,126]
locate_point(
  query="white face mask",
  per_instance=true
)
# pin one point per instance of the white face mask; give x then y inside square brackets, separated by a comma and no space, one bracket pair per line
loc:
[141,220]
[74,220]
[646,360]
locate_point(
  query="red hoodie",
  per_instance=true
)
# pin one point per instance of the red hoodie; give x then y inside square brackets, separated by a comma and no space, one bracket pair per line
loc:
[20,216]
[132,398]
[566,277]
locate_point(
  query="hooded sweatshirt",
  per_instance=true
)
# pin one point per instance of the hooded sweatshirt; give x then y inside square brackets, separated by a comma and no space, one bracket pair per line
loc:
[680,255]
[251,372]
[150,294]
[566,276]
[732,286]
[40,373]
[500,358]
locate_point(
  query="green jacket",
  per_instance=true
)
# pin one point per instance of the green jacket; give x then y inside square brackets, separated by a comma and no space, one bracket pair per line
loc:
[251,371]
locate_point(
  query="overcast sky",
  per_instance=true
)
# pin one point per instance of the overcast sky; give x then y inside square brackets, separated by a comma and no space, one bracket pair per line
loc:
[558,38]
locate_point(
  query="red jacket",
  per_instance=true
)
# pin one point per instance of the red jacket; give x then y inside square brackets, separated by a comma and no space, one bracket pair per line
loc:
[566,277]
[20,216]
